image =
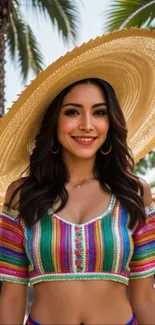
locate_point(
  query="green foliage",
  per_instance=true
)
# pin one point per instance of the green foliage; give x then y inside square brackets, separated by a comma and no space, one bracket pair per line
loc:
[130,13]
[63,13]
[22,44]
[148,162]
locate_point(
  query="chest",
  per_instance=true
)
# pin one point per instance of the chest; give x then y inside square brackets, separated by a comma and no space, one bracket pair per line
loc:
[85,205]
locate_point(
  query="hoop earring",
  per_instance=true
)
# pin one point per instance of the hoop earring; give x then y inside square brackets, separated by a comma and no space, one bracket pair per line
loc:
[53,145]
[107,145]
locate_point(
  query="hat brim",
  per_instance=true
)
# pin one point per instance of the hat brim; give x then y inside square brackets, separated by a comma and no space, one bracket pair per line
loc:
[124,58]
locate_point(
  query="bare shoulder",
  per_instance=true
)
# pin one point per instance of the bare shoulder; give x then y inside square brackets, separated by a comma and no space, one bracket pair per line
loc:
[10,190]
[147,192]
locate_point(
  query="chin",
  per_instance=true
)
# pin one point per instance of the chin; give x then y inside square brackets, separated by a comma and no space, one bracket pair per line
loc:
[79,154]
[84,155]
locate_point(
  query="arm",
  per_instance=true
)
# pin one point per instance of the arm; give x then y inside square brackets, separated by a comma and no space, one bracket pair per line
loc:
[141,291]
[14,294]
[10,190]
[142,300]
[13,303]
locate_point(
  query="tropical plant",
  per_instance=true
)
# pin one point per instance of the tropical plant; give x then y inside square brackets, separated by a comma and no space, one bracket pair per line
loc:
[146,164]
[130,13]
[17,35]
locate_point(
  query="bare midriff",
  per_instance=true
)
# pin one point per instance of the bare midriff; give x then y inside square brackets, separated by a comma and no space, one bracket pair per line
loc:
[76,302]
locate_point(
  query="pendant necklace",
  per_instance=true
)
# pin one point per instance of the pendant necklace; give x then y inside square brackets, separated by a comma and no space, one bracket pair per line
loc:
[79,185]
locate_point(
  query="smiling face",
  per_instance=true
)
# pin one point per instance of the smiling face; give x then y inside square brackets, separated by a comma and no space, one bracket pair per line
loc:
[83,121]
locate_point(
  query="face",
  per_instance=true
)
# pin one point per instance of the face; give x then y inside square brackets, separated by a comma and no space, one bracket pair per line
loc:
[83,121]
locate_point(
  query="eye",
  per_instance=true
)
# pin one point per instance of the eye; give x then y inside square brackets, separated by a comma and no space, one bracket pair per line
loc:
[71,111]
[100,112]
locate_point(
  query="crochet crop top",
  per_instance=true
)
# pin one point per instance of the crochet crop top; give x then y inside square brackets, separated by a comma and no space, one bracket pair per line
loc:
[54,249]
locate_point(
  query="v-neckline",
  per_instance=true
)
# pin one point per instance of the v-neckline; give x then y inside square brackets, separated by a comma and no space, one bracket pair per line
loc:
[102,215]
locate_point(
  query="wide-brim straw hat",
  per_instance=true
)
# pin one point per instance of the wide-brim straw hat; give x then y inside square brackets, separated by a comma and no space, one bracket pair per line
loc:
[124,58]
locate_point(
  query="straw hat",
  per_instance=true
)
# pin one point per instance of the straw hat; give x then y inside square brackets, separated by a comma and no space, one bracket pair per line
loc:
[124,58]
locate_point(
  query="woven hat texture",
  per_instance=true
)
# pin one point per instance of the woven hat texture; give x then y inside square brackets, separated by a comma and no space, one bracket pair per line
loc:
[124,58]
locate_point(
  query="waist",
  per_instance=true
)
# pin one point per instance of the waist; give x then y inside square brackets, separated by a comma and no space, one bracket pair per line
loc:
[82,301]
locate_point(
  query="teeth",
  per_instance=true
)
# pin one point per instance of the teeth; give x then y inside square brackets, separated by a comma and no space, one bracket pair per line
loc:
[85,139]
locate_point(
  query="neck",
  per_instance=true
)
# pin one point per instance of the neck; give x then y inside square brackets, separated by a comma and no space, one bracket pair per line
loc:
[79,169]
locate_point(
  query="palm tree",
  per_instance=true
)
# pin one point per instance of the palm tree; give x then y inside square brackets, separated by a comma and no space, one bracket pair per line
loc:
[130,13]
[126,14]
[146,164]
[18,36]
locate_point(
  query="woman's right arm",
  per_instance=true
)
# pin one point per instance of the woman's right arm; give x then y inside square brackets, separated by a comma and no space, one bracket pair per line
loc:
[13,296]
[13,300]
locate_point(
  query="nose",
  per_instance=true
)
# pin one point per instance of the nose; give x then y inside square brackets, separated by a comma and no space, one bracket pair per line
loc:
[86,123]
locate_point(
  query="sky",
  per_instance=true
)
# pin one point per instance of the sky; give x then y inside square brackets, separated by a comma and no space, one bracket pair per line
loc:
[92,14]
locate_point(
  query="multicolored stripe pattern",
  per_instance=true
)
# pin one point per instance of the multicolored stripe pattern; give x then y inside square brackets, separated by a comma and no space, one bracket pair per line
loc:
[13,260]
[55,249]
[143,260]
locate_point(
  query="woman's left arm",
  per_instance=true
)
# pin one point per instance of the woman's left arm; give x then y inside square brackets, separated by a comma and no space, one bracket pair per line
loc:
[142,300]
[141,290]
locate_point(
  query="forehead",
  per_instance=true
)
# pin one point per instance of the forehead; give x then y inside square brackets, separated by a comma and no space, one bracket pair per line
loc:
[85,92]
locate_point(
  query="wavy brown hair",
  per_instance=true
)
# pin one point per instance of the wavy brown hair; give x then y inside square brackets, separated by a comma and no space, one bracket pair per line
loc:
[48,174]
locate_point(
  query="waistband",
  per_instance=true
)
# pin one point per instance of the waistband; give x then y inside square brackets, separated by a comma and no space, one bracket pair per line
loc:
[132,321]
[31,321]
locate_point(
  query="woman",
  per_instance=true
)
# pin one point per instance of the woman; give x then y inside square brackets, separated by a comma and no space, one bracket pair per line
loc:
[81,223]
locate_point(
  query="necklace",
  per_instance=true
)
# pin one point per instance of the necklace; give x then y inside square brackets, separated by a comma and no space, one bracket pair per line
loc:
[79,185]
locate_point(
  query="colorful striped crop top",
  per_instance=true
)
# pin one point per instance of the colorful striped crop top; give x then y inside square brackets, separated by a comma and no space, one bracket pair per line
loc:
[55,249]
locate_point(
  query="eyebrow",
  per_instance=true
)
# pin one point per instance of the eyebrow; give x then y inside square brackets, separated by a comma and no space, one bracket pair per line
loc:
[79,105]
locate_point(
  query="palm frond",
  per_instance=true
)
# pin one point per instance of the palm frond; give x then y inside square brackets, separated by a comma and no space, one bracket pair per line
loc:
[29,55]
[23,45]
[21,51]
[12,37]
[15,3]
[129,13]
[35,57]
[36,5]
[63,13]
[12,40]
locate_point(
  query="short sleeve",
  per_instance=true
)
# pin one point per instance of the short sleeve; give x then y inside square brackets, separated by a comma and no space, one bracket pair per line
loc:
[14,264]
[143,260]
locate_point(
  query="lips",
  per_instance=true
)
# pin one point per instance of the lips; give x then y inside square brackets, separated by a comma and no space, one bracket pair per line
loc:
[84,140]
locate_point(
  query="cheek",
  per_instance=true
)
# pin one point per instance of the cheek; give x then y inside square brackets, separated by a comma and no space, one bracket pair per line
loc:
[103,126]
[65,126]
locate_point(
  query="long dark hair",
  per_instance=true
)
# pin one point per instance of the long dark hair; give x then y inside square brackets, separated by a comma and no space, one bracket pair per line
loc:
[47,176]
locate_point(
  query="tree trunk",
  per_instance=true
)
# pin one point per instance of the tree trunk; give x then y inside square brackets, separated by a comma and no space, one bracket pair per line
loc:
[3,28]
[4,16]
